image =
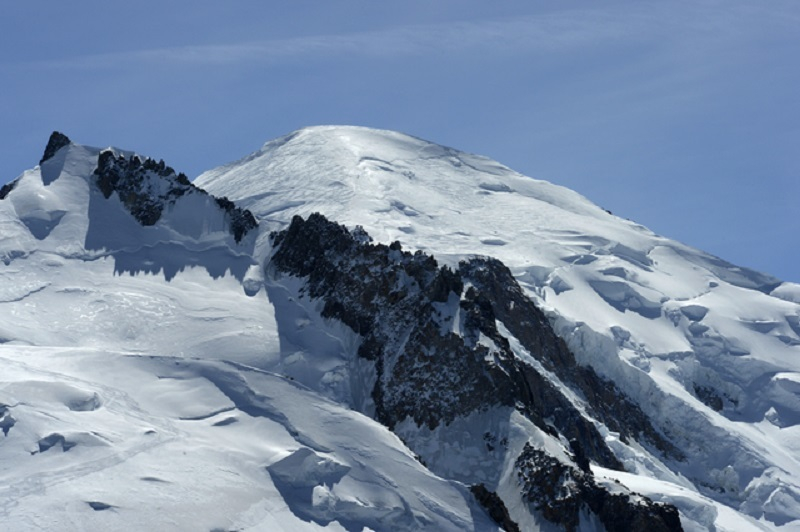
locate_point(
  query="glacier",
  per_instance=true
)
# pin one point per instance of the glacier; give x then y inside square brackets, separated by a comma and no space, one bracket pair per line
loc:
[181,371]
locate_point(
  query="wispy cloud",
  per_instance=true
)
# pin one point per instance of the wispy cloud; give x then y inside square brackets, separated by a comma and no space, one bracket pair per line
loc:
[553,32]
[561,30]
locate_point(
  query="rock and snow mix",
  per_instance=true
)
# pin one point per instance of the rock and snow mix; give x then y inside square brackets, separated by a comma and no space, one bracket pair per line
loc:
[178,361]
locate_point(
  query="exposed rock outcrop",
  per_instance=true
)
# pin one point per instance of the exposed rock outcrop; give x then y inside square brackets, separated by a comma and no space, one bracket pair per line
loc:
[56,142]
[495,506]
[433,335]
[146,187]
[7,421]
[506,302]
[561,492]
[7,188]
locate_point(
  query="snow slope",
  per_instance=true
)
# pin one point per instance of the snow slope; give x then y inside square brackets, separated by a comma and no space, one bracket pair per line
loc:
[162,376]
[707,349]
[141,384]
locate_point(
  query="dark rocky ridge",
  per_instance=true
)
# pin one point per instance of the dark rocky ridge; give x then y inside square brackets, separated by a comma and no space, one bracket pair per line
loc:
[507,303]
[146,187]
[57,141]
[560,492]
[390,298]
[7,188]
[401,304]
[495,506]
[386,295]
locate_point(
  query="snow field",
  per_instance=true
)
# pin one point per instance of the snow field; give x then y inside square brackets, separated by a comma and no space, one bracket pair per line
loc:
[155,377]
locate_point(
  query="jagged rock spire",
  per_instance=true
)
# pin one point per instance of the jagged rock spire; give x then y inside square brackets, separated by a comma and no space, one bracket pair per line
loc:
[57,141]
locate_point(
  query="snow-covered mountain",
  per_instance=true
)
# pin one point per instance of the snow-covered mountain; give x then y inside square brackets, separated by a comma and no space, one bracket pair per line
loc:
[353,328]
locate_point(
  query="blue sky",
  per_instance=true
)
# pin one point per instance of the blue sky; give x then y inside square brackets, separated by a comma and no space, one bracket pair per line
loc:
[683,116]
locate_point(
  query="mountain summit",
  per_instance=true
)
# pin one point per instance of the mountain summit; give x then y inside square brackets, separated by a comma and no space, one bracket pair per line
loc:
[356,329]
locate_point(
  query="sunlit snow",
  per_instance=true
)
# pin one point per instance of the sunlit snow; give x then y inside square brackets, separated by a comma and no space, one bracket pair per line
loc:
[157,377]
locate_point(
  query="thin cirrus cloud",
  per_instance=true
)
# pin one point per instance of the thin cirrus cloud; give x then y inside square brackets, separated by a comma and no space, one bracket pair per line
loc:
[558,31]
[686,26]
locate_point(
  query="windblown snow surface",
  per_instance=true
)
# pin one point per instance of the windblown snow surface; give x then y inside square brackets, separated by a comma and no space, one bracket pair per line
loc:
[157,377]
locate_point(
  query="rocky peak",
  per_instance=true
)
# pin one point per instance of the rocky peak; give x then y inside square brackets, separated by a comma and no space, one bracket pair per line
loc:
[146,187]
[57,141]
[132,179]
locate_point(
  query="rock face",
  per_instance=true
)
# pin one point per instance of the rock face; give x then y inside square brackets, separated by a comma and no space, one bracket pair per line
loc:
[560,492]
[146,187]
[505,301]
[242,220]
[5,189]
[435,338]
[56,142]
[495,506]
